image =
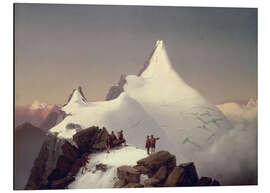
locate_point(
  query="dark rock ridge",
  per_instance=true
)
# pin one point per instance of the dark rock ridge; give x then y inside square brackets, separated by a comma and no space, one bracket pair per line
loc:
[28,140]
[115,91]
[162,171]
[59,160]
[80,91]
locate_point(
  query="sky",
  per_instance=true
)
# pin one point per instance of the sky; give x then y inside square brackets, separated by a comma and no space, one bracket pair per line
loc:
[59,47]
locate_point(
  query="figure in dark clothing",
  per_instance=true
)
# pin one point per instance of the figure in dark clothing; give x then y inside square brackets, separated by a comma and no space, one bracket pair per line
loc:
[153,143]
[108,143]
[84,162]
[147,144]
[113,137]
[121,137]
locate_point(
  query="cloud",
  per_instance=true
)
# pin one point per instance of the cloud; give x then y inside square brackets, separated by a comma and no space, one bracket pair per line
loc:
[35,113]
[233,158]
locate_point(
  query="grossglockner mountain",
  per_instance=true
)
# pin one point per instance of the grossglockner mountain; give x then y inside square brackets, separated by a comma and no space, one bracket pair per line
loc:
[155,101]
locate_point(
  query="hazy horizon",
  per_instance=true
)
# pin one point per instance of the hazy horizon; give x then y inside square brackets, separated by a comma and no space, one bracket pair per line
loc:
[59,47]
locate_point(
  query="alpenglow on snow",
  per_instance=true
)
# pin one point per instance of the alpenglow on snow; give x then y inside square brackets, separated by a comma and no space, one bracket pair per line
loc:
[156,101]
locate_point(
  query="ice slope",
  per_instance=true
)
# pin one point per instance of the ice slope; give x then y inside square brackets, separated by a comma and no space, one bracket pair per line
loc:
[156,102]
[93,178]
[121,113]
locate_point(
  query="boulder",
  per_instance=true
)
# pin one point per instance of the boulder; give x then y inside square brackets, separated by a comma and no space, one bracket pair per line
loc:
[101,167]
[158,159]
[128,173]
[175,177]
[204,181]
[75,167]
[120,183]
[144,170]
[151,182]
[85,139]
[161,174]
[70,151]
[62,183]
[133,185]
[191,177]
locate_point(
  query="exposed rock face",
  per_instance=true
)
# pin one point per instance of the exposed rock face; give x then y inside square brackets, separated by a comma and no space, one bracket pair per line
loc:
[144,170]
[70,151]
[133,185]
[162,172]
[58,160]
[151,182]
[120,183]
[91,139]
[115,91]
[175,178]
[204,181]
[45,163]
[191,177]
[62,183]
[129,174]
[158,159]
[75,167]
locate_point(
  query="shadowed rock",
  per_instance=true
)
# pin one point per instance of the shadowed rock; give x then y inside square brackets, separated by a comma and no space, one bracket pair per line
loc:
[133,185]
[120,183]
[156,160]
[128,173]
[175,178]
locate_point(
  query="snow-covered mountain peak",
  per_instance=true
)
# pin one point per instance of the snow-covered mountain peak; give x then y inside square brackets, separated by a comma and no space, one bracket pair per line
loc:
[252,103]
[76,100]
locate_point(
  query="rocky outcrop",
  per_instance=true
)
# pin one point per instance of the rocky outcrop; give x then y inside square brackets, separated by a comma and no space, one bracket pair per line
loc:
[162,171]
[59,160]
[128,174]
[45,163]
[156,160]
[120,183]
[133,185]
[115,91]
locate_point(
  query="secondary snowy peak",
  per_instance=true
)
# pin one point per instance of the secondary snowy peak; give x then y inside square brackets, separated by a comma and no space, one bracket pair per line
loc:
[75,100]
[252,103]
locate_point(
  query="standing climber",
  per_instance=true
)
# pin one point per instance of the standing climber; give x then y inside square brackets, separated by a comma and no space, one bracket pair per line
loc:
[108,143]
[147,144]
[121,137]
[113,137]
[84,161]
[153,143]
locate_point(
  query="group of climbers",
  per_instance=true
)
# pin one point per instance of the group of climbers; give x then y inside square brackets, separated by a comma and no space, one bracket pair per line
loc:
[110,138]
[150,144]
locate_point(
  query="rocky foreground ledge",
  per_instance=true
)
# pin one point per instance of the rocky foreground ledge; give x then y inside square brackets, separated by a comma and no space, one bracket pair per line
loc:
[161,170]
[60,160]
